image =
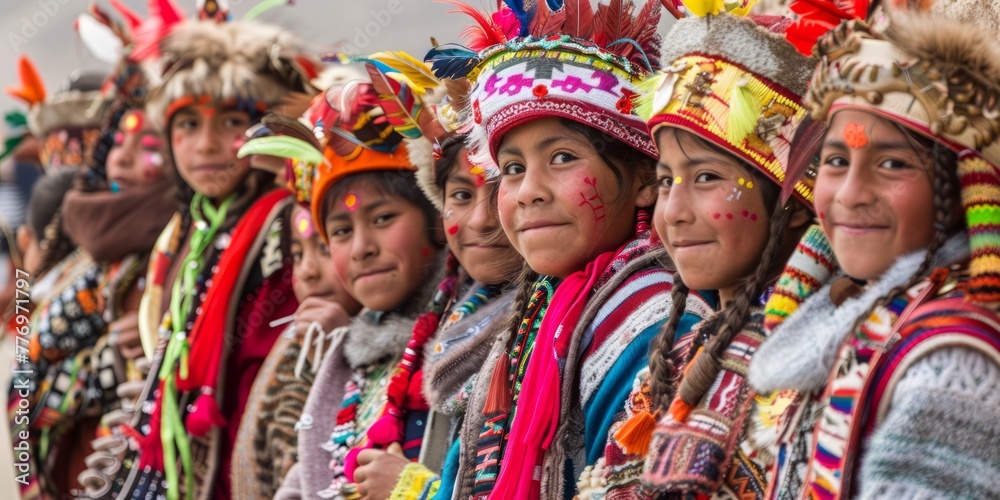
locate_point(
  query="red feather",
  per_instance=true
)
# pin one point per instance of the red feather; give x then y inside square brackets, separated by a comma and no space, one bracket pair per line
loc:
[579,19]
[477,38]
[611,23]
[163,17]
[672,7]
[547,21]
[133,19]
[818,17]
[644,31]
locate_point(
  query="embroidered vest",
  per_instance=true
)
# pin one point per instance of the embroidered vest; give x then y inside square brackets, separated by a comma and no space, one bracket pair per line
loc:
[874,358]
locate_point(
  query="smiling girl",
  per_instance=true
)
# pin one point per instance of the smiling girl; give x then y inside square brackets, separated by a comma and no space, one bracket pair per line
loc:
[723,152]
[220,272]
[550,112]
[899,353]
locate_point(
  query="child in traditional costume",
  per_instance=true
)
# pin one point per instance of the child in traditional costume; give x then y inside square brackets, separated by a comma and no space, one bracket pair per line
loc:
[452,340]
[550,113]
[723,113]
[898,356]
[220,273]
[384,238]
[267,444]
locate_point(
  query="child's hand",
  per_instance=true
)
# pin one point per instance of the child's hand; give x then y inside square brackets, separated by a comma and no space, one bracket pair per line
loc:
[322,310]
[129,342]
[378,471]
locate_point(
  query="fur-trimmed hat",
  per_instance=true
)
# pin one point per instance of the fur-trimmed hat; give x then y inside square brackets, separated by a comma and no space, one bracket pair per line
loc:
[528,62]
[941,79]
[251,65]
[736,82]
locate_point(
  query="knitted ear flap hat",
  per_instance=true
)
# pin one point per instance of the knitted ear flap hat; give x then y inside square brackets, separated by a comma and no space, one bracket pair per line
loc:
[939,78]
[531,60]
[734,81]
[250,65]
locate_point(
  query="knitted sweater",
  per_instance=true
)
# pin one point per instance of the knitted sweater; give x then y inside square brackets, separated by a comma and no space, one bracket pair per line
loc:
[373,343]
[940,406]
[452,360]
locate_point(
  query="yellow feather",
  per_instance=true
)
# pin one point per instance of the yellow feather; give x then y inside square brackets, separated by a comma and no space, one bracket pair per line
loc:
[702,8]
[418,75]
[647,90]
[735,8]
[744,113]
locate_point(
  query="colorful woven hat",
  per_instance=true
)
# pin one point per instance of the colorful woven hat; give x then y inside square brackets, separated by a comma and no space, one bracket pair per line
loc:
[13,129]
[344,132]
[552,58]
[734,81]
[939,78]
[210,59]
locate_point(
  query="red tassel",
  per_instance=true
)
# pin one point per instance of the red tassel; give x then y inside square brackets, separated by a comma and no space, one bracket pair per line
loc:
[498,398]
[204,416]
[150,447]
[386,430]
[636,433]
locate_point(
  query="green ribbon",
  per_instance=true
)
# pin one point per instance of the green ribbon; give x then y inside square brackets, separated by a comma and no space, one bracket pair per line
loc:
[173,435]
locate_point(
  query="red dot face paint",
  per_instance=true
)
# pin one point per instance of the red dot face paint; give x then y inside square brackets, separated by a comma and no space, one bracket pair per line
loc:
[729,216]
[716,215]
[753,217]
[118,138]
[855,136]
[453,230]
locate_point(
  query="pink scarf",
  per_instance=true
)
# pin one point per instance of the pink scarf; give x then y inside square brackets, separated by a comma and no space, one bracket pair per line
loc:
[535,424]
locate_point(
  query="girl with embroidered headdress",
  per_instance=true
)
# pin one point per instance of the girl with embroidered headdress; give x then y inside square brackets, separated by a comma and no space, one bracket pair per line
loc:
[898,355]
[550,114]
[385,239]
[220,272]
[723,114]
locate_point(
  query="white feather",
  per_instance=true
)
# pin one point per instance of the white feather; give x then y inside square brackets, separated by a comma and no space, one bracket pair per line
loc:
[99,39]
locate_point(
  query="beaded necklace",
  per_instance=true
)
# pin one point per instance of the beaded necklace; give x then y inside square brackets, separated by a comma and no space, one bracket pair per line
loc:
[172,432]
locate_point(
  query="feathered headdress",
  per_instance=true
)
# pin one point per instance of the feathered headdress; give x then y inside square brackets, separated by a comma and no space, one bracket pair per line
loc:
[552,58]
[733,80]
[79,106]
[345,131]
[252,65]
[938,77]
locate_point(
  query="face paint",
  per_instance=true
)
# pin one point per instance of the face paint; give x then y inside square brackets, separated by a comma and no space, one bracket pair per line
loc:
[303,224]
[237,144]
[479,174]
[132,123]
[743,182]
[150,142]
[115,187]
[594,201]
[855,136]
[453,230]
[449,213]
[118,138]
[351,201]
[678,180]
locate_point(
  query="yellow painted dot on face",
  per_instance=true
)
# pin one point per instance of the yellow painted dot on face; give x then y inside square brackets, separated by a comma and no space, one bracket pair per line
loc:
[741,181]
[131,123]
[678,179]
[303,226]
[476,170]
[749,185]
[351,201]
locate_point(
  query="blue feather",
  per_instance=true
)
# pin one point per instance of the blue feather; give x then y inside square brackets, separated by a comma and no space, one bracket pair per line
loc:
[524,13]
[555,5]
[451,61]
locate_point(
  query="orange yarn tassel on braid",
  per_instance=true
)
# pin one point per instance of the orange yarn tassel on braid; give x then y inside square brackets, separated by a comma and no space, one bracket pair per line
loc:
[680,409]
[498,399]
[636,433]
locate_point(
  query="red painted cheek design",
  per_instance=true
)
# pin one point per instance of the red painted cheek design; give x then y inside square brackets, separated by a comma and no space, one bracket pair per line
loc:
[594,201]
[118,138]
[425,251]
[453,230]
[716,215]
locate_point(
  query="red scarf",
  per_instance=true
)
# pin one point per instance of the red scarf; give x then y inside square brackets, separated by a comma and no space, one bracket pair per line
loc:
[532,432]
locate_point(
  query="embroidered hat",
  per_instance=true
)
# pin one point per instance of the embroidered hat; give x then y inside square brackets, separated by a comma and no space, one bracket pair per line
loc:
[734,81]
[252,65]
[939,78]
[553,58]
